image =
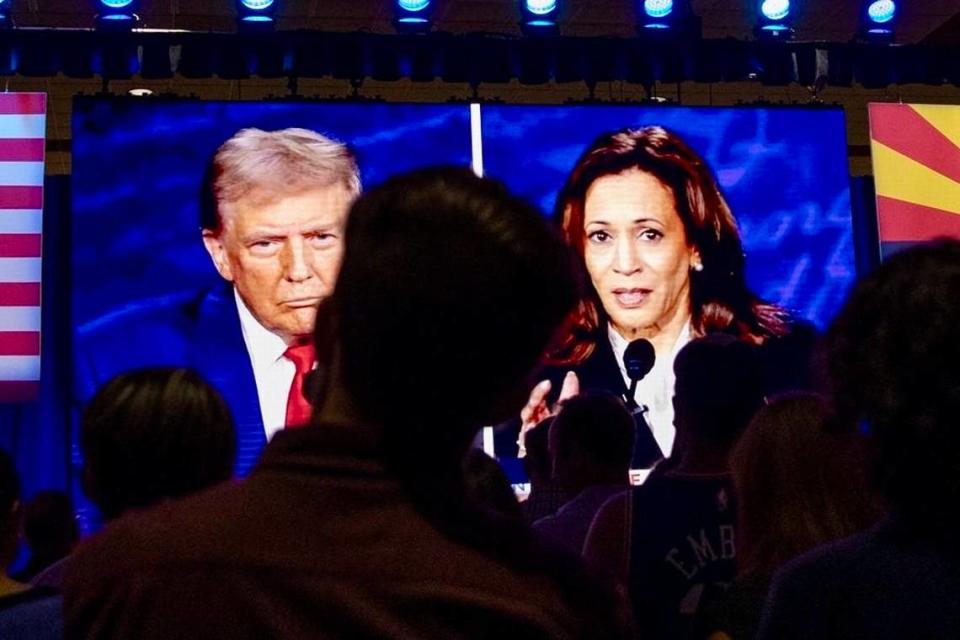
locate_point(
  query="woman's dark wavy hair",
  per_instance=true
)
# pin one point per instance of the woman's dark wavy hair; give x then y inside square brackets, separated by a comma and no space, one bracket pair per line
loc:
[449,293]
[720,298]
[894,360]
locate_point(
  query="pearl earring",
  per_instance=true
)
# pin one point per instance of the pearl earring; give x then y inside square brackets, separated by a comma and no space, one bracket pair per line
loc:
[698,266]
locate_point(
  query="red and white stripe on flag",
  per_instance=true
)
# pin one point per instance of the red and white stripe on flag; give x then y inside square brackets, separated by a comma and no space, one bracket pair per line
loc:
[22,133]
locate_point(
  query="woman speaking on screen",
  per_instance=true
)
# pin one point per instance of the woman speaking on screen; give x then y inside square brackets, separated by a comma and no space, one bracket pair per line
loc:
[665,264]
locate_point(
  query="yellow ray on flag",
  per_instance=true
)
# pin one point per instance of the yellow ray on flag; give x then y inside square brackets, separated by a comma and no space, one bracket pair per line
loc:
[943,117]
[903,178]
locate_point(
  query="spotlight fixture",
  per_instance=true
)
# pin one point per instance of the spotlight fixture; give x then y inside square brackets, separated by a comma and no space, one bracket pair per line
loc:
[539,17]
[657,14]
[671,17]
[255,15]
[116,15]
[774,19]
[412,16]
[878,19]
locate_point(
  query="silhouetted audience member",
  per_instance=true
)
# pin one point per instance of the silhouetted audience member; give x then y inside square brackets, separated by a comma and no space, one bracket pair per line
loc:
[154,434]
[546,495]
[360,525]
[488,485]
[798,483]
[672,539]
[894,363]
[50,530]
[9,525]
[146,436]
[590,443]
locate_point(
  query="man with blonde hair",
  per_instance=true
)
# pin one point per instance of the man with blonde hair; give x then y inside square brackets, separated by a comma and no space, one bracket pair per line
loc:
[273,211]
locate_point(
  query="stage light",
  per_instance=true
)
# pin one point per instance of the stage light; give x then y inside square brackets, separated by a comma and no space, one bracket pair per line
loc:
[256,15]
[672,17]
[539,17]
[116,15]
[878,19]
[412,16]
[774,19]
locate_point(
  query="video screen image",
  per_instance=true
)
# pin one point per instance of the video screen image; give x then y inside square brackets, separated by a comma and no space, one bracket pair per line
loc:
[138,251]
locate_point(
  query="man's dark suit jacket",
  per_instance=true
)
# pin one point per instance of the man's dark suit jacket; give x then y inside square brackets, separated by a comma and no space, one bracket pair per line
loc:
[197,331]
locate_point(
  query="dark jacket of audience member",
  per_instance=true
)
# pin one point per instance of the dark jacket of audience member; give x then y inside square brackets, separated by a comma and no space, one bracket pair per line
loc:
[51,531]
[590,442]
[146,436]
[9,524]
[894,363]
[488,485]
[799,482]
[672,539]
[361,525]
[25,613]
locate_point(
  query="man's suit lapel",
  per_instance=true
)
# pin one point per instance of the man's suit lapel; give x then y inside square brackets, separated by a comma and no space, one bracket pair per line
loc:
[220,355]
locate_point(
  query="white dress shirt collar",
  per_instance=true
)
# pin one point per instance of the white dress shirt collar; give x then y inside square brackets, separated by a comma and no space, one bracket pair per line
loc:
[272,372]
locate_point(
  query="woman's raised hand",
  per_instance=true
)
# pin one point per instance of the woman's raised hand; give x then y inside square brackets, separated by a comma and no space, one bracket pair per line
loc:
[538,408]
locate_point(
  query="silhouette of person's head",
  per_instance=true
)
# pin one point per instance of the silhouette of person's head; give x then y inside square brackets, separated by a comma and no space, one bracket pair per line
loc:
[450,291]
[153,434]
[894,365]
[591,442]
[799,483]
[718,389]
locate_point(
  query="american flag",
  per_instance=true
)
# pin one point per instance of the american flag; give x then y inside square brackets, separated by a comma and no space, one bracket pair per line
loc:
[22,132]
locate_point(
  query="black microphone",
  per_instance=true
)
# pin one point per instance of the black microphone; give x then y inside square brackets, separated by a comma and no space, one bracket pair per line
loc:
[638,360]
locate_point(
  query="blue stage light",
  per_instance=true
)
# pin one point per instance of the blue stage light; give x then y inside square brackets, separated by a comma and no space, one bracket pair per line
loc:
[116,14]
[882,11]
[658,8]
[539,17]
[413,6]
[541,7]
[5,20]
[775,10]
[257,5]
[878,19]
[256,15]
[670,18]
[774,19]
[412,16]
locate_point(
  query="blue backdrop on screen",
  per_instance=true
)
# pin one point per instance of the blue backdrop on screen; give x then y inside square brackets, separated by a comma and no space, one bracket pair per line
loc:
[783,171]
[137,167]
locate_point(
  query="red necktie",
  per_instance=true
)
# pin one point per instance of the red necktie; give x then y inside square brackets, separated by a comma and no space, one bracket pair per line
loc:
[298,408]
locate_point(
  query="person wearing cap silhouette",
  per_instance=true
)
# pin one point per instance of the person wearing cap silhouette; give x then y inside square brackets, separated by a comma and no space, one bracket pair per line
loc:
[273,213]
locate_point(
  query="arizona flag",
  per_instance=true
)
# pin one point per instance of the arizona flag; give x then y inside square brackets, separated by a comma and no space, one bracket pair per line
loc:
[916,167]
[22,133]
